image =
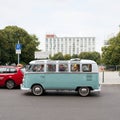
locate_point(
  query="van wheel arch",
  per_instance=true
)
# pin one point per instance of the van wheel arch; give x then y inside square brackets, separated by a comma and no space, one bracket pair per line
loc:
[83,90]
[37,89]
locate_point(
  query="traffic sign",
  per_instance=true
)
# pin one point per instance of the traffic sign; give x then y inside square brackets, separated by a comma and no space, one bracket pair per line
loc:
[18,48]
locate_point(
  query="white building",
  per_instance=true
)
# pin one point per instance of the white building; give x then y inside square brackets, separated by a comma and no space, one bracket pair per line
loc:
[69,45]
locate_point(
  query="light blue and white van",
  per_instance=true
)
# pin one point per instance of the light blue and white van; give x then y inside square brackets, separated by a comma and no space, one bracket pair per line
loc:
[78,75]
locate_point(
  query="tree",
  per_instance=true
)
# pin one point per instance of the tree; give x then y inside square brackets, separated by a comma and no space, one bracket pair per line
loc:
[91,56]
[74,56]
[9,37]
[111,53]
[96,57]
[58,56]
[67,57]
[84,55]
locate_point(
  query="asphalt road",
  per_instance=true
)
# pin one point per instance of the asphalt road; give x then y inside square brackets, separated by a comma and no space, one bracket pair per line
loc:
[20,105]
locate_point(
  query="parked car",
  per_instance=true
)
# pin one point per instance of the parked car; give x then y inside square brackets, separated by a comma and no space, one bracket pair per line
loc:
[10,76]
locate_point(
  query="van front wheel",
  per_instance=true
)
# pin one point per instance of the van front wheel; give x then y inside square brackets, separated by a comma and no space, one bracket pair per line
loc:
[37,90]
[83,91]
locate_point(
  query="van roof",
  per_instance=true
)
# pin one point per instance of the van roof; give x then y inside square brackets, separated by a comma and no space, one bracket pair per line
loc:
[83,61]
[87,61]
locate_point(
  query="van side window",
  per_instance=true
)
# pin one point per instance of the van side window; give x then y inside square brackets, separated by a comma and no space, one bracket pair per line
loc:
[38,68]
[63,67]
[75,67]
[86,67]
[51,67]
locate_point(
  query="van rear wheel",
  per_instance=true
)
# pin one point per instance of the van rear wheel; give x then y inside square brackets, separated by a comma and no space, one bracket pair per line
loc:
[37,90]
[83,91]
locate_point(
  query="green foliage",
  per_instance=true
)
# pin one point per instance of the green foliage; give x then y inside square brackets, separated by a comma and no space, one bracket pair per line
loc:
[83,55]
[58,56]
[91,56]
[75,56]
[111,53]
[67,57]
[9,37]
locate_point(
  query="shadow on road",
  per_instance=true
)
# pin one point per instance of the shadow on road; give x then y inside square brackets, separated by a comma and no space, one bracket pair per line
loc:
[56,93]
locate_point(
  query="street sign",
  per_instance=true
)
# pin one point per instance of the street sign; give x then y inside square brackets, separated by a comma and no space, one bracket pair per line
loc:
[18,48]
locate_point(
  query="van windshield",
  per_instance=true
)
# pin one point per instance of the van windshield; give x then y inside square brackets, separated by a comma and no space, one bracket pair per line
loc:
[29,68]
[36,68]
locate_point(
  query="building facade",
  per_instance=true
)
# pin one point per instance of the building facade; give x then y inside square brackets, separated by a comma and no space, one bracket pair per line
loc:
[69,45]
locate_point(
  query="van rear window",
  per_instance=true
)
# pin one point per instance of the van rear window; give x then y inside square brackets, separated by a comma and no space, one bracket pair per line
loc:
[86,67]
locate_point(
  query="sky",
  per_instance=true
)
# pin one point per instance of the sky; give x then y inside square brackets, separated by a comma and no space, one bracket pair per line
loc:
[64,18]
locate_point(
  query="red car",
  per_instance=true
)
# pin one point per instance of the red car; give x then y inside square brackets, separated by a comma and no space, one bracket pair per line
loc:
[10,76]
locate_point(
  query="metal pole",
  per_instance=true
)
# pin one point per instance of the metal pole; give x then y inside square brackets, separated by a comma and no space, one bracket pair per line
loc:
[103,77]
[18,58]
[102,68]
[18,55]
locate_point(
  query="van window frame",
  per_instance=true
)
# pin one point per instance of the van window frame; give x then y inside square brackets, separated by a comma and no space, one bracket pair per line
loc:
[86,67]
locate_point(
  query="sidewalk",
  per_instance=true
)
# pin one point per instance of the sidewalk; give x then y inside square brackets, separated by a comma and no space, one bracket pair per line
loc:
[109,77]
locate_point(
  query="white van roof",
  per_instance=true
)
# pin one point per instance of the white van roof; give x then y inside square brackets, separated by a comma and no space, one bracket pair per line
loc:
[82,61]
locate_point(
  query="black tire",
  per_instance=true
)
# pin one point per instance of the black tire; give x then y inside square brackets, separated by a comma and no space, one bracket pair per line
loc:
[37,90]
[10,84]
[83,91]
